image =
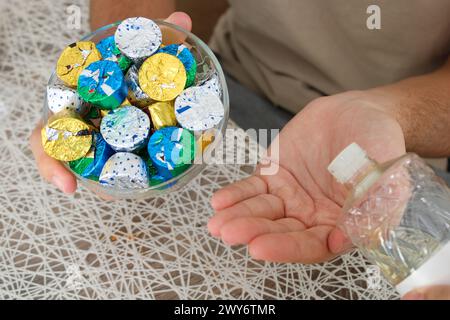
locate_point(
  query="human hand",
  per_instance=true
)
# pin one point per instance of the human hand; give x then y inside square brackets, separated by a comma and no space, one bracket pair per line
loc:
[429,293]
[54,171]
[291,216]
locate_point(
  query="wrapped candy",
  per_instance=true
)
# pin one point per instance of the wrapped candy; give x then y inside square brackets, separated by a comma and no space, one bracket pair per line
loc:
[162,77]
[124,170]
[125,107]
[172,150]
[182,52]
[156,179]
[66,137]
[102,83]
[109,51]
[153,175]
[213,84]
[162,114]
[91,165]
[138,38]
[125,102]
[206,139]
[135,94]
[126,128]
[61,98]
[74,59]
[94,116]
[198,108]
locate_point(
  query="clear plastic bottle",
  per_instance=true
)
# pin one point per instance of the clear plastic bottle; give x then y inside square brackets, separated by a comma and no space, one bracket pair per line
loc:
[398,215]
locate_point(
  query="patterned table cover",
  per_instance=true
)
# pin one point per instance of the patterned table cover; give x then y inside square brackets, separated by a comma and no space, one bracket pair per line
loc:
[54,246]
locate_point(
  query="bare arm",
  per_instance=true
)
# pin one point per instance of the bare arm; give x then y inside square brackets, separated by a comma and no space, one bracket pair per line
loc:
[422,107]
[104,12]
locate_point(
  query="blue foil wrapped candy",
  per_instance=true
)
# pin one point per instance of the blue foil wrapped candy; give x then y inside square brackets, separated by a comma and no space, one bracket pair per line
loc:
[153,175]
[92,164]
[102,83]
[125,170]
[126,128]
[110,52]
[172,150]
[184,54]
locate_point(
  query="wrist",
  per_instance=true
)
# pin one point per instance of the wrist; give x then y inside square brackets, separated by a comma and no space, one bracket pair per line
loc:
[393,104]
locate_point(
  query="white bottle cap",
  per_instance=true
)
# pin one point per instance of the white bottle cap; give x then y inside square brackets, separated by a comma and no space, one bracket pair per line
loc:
[348,162]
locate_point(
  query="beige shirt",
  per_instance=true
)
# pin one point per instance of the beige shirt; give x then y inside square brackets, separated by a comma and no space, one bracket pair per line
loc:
[293,51]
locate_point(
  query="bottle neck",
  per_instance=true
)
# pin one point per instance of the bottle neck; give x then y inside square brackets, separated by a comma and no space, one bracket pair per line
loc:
[364,177]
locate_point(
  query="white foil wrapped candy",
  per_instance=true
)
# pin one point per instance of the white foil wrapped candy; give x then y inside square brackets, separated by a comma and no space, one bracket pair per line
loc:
[213,84]
[138,38]
[198,108]
[60,97]
[126,128]
[124,170]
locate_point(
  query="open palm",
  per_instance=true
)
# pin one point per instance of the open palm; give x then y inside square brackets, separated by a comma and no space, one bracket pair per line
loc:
[291,216]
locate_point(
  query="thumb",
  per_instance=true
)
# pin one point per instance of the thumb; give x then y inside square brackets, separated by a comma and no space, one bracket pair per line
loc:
[429,293]
[338,242]
[181,19]
[171,35]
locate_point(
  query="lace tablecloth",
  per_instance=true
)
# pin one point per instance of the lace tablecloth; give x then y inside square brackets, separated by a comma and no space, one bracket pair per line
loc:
[58,246]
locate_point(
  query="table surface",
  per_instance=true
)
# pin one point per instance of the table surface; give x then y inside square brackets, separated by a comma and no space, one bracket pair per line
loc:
[57,246]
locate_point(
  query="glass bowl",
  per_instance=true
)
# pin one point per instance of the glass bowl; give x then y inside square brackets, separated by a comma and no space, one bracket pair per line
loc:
[207,65]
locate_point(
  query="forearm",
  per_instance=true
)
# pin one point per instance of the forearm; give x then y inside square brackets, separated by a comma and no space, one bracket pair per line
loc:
[422,107]
[104,12]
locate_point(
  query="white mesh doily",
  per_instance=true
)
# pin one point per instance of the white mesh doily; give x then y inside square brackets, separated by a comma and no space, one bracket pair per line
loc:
[57,246]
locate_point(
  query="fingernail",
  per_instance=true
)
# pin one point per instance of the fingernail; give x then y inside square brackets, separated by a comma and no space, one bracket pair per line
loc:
[59,183]
[180,19]
[414,296]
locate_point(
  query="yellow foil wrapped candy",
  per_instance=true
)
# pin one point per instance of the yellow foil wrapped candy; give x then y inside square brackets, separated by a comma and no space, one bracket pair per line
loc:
[162,77]
[206,139]
[74,59]
[66,137]
[162,114]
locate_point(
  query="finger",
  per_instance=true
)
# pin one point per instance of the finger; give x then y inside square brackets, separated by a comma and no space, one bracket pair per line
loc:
[170,35]
[308,246]
[429,293]
[264,206]
[105,197]
[181,19]
[338,242]
[49,168]
[244,230]
[238,191]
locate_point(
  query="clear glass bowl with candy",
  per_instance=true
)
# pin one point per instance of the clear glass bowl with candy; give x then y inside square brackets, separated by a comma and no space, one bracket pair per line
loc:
[133,108]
